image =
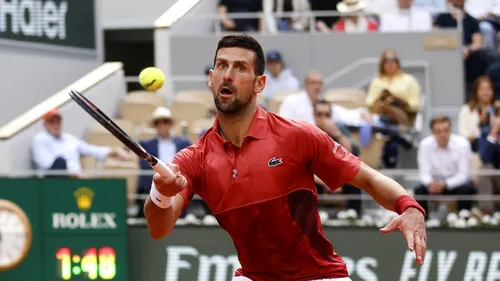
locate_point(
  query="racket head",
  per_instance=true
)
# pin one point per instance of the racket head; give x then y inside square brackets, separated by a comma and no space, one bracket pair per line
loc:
[111,126]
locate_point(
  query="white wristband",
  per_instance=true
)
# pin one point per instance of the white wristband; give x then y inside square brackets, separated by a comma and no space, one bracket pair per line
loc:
[159,199]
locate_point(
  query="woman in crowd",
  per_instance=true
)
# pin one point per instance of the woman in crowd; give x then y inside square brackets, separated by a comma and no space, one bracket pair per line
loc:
[475,115]
[395,96]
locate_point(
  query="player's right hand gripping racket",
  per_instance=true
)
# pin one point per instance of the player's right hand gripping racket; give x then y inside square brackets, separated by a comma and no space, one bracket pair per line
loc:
[114,129]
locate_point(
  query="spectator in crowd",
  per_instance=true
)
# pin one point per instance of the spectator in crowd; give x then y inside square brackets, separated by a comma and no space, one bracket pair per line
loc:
[489,151]
[476,60]
[352,21]
[444,162]
[406,19]
[239,6]
[488,13]
[394,94]
[325,24]
[475,113]
[54,150]
[165,146]
[323,117]
[299,21]
[432,6]
[300,106]
[493,72]
[279,77]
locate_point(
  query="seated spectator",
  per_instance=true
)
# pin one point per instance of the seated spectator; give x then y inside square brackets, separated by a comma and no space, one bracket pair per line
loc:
[444,163]
[279,77]
[54,150]
[325,24]
[394,94]
[476,61]
[352,21]
[239,6]
[489,151]
[165,146]
[300,106]
[432,6]
[406,19]
[493,72]
[474,114]
[323,117]
[299,21]
[488,13]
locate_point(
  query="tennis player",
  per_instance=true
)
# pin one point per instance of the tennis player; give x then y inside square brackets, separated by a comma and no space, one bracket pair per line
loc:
[255,170]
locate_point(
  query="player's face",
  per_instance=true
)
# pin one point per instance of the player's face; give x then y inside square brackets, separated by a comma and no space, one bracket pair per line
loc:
[233,81]
[442,132]
[53,125]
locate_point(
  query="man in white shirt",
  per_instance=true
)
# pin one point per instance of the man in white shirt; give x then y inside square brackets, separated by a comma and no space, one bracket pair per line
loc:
[54,150]
[488,13]
[279,78]
[444,162]
[406,19]
[299,106]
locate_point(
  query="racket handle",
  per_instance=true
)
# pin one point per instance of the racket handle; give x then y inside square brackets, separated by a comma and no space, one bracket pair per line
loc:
[163,169]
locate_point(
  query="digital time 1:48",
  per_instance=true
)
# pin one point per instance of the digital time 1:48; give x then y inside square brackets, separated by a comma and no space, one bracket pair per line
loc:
[95,263]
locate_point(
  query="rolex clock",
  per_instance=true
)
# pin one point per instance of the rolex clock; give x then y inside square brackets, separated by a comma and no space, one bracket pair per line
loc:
[15,235]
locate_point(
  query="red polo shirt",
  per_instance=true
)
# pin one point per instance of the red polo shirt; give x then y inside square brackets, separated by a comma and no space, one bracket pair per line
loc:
[263,194]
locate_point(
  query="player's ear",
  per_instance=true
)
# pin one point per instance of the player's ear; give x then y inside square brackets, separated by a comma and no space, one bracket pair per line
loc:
[260,83]
[210,75]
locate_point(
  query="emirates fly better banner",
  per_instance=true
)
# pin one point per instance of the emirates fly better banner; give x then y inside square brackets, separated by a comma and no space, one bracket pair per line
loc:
[207,254]
[54,22]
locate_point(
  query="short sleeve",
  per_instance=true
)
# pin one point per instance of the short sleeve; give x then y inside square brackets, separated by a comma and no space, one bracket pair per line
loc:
[330,161]
[187,161]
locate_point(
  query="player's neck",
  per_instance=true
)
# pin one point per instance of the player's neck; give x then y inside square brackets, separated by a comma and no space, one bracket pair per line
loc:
[234,127]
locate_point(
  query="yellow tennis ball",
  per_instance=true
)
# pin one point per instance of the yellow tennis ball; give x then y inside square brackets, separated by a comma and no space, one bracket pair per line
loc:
[152,78]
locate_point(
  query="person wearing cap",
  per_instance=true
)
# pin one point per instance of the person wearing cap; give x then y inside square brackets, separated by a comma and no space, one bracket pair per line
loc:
[53,149]
[279,77]
[352,20]
[164,146]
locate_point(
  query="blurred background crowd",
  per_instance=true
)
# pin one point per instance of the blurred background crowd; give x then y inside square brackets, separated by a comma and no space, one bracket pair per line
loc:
[384,120]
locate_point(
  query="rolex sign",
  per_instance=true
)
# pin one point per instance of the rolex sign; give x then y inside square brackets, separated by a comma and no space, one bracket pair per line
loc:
[55,22]
[85,206]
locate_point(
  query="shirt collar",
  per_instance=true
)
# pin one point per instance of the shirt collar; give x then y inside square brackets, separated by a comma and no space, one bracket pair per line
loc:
[258,128]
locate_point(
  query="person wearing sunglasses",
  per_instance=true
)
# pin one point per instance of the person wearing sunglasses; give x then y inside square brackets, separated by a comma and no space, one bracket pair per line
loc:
[164,146]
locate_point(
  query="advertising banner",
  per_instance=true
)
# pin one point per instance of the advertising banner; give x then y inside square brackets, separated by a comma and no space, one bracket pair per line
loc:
[63,229]
[54,22]
[84,206]
[207,253]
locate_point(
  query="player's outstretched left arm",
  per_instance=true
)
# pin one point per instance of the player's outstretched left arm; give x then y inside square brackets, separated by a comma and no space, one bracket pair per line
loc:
[394,197]
[335,166]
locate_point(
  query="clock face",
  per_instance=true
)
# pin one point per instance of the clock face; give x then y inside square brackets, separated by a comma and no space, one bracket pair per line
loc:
[15,235]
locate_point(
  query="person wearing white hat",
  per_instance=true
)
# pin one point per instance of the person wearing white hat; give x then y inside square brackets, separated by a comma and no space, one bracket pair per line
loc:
[164,146]
[352,19]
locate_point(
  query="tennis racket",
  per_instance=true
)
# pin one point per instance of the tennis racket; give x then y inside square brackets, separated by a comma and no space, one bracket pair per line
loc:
[114,129]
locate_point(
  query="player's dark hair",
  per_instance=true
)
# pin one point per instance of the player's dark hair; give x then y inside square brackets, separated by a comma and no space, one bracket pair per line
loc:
[439,119]
[246,42]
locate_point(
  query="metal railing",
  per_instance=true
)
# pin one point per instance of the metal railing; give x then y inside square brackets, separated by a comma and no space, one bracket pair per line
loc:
[311,15]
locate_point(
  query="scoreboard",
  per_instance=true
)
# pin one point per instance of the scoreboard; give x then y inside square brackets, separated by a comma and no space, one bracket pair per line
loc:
[76,230]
